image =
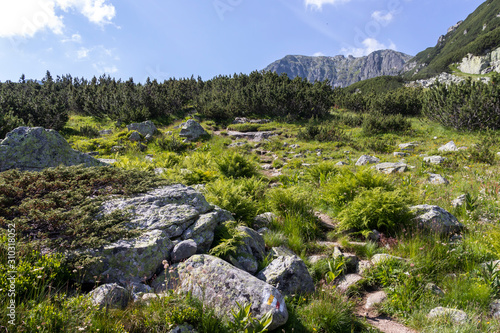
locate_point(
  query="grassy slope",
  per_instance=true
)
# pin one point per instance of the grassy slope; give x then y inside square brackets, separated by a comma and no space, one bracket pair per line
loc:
[432,259]
[457,44]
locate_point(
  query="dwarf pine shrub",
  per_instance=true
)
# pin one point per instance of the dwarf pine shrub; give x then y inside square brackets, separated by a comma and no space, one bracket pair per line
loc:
[377,123]
[234,165]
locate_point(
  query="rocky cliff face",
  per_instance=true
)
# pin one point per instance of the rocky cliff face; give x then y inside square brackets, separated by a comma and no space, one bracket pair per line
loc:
[341,71]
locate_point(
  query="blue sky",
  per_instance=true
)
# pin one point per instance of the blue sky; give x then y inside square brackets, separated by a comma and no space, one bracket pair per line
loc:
[180,38]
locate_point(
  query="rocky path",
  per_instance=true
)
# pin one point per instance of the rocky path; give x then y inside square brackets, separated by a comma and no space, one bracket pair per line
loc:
[382,323]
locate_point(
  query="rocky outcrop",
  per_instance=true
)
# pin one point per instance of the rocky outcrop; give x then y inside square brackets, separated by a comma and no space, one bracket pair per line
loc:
[164,217]
[472,64]
[145,128]
[341,71]
[289,275]
[192,131]
[436,219]
[36,148]
[220,285]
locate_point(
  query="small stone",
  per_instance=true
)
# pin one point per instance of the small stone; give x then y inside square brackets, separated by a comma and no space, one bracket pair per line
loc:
[408,146]
[436,219]
[349,280]
[399,154]
[434,159]
[437,179]
[374,299]
[367,159]
[110,295]
[389,168]
[105,132]
[457,316]
[184,250]
[144,128]
[450,146]
[434,289]
[341,163]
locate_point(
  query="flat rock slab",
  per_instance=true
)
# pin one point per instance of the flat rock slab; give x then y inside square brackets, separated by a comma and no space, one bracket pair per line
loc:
[349,280]
[36,148]
[389,168]
[220,285]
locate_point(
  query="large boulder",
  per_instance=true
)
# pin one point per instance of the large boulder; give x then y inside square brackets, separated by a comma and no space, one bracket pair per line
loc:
[436,219]
[162,216]
[36,148]
[192,131]
[110,296]
[145,128]
[220,285]
[289,275]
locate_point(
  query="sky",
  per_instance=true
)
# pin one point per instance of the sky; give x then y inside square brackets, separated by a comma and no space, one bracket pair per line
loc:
[179,38]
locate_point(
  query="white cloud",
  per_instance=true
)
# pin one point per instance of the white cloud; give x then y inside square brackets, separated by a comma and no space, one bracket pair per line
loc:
[103,68]
[383,17]
[83,53]
[24,18]
[318,54]
[75,38]
[369,45]
[318,4]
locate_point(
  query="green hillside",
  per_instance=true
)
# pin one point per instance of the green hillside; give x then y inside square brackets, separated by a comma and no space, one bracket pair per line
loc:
[479,33]
[381,84]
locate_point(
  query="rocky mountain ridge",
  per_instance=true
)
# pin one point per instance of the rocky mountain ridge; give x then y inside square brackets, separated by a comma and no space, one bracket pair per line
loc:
[340,70]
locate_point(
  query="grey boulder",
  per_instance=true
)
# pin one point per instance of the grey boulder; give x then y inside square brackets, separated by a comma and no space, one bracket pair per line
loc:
[436,219]
[110,296]
[36,148]
[389,168]
[450,146]
[184,250]
[367,159]
[434,159]
[251,252]
[289,275]
[263,220]
[437,179]
[192,131]
[145,128]
[221,285]
[135,137]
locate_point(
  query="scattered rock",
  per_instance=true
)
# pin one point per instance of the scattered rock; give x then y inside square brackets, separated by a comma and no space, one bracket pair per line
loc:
[408,146]
[374,236]
[459,201]
[243,120]
[495,308]
[436,219]
[192,131]
[363,265]
[389,168]
[145,128]
[294,146]
[110,295]
[36,148]
[399,154]
[184,250]
[237,144]
[342,163]
[107,161]
[366,159]
[289,275]
[105,132]
[184,328]
[135,137]
[253,251]
[117,149]
[348,280]
[374,299]
[350,260]
[457,316]
[251,136]
[220,285]
[437,179]
[381,257]
[266,167]
[434,159]
[434,289]
[450,146]
[263,220]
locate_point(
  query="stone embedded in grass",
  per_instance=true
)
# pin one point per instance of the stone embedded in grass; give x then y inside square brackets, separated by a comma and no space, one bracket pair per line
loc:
[389,168]
[367,159]
[145,128]
[192,131]
[289,275]
[457,316]
[263,220]
[495,308]
[251,252]
[110,296]
[341,163]
[400,154]
[450,146]
[374,299]
[434,289]
[434,159]
[436,219]
[348,280]
[408,146]
[381,257]
[220,285]
[135,137]
[36,148]
[437,179]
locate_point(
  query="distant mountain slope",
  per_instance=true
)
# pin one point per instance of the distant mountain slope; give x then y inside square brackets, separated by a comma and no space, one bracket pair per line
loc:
[478,35]
[341,71]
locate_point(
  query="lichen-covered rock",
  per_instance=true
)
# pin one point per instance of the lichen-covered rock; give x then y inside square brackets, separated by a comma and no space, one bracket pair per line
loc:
[366,159]
[263,220]
[389,168]
[436,219]
[220,285]
[163,215]
[434,159]
[135,136]
[457,316]
[36,148]
[192,131]
[251,252]
[110,295]
[184,250]
[289,275]
[145,128]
